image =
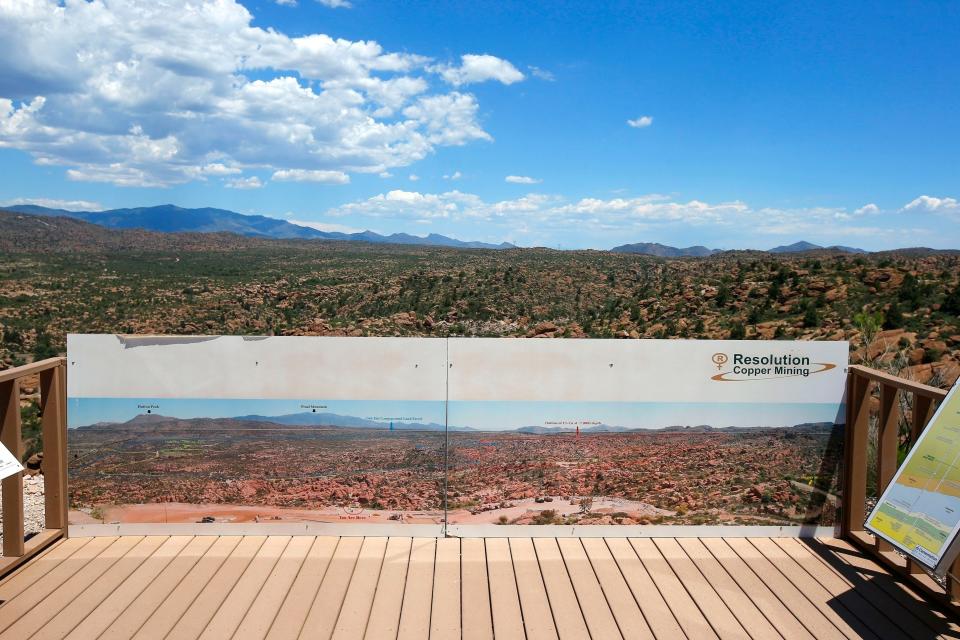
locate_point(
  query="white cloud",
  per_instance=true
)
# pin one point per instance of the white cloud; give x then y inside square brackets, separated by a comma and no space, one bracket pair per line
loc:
[479,68]
[146,93]
[933,205]
[413,177]
[336,4]
[52,203]
[544,215]
[385,174]
[641,122]
[253,182]
[867,209]
[326,226]
[522,180]
[456,175]
[307,175]
[286,3]
[447,120]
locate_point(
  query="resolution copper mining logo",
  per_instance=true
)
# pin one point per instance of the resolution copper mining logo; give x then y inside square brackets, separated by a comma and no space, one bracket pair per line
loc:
[765,367]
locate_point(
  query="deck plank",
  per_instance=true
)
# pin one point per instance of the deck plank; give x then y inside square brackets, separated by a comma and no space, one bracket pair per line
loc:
[656,611]
[684,608]
[876,617]
[352,621]
[825,599]
[28,622]
[96,592]
[504,599]
[537,617]
[326,606]
[766,600]
[132,617]
[567,613]
[475,591]
[623,605]
[99,618]
[245,591]
[50,581]
[384,621]
[418,592]
[188,608]
[729,591]
[297,602]
[593,603]
[31,572]
[866,570]
[445,611]
[818,621]
[259,616]
[714,609]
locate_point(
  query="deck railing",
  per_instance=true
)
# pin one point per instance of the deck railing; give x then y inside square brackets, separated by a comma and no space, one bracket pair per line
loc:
[898,402]
[53,421]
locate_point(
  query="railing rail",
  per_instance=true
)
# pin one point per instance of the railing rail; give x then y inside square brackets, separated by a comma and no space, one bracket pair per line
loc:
[53,424]
[863,384]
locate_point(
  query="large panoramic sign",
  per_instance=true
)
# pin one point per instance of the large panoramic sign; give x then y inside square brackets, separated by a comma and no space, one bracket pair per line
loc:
[578,432]
[459,431]
[249,429]
[919,511]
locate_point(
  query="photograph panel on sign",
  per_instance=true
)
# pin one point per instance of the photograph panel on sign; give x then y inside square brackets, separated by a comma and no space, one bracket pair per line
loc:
[611,446]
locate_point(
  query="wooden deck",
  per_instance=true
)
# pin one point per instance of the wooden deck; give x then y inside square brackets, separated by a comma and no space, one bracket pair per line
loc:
[250,587]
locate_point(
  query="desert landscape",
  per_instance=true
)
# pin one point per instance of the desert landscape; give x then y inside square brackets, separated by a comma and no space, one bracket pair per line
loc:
[159,469]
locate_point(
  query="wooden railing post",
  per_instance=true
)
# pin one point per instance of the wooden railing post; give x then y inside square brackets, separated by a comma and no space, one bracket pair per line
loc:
[53,422]
[12,485]
[922,408]
[54,429]
[855,469]
[888,427]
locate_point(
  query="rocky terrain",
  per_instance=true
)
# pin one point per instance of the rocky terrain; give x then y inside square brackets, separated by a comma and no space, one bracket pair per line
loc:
[58,275]
[747,476]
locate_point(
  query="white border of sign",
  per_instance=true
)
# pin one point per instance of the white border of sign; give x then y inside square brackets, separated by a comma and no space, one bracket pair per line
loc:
[952,548]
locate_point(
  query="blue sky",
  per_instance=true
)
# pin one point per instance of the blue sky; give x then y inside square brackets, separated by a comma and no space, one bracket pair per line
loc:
[754,124]
[489,415]
[87,411]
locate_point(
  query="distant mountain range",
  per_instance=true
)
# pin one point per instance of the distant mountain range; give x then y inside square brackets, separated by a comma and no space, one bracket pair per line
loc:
[169,218]
[337,420]
[664,251]
[305,419]
[800,247]
[310,419]
[703,428]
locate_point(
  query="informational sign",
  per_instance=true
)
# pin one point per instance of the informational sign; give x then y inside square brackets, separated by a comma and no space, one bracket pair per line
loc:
[9,464]
[919,512]
[239,429]
[464,431]
[579,432]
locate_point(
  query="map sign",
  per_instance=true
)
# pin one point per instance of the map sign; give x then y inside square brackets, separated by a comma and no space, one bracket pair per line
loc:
[920,510]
